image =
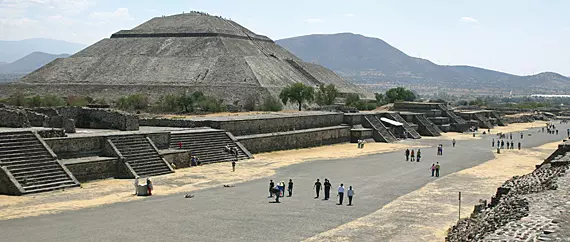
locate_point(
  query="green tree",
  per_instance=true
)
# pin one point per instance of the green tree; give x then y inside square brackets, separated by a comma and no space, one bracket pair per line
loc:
[326,94]
[133,102]
[299,93]
[271,104]
[352,99]
[399,94]
[380,99]
[52,100]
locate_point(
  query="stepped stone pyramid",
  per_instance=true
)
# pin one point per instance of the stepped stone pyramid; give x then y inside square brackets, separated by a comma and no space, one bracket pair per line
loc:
[185,52]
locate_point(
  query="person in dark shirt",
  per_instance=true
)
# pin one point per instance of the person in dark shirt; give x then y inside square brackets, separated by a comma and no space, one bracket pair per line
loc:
[407,154]
[327,185]
[271,185]
[317,187]
[290,187]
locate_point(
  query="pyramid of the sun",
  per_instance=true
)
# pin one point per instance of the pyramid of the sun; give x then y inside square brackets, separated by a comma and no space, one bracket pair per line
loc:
[186,52]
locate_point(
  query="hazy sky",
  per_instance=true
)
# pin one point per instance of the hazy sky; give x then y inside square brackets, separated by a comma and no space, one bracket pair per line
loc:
[516,36]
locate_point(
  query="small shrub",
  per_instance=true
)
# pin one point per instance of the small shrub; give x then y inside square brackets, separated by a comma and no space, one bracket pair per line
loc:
[271,104]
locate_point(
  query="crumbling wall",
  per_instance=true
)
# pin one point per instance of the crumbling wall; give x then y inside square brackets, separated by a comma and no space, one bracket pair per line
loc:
[94,118]
[14,118]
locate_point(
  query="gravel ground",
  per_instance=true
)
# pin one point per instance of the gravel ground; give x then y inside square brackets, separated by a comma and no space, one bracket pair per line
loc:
[244,213]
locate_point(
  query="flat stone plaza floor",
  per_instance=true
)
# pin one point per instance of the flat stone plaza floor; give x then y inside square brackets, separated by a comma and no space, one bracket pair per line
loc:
[244,213]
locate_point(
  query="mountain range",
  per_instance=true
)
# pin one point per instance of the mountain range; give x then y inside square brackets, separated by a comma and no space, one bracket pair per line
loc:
[376,65]
[13,71]
[11,51]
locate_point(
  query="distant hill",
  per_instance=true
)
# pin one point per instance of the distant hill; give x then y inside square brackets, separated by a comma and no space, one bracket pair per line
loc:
[375,64]
[11,51]
[15,70]
[29,63]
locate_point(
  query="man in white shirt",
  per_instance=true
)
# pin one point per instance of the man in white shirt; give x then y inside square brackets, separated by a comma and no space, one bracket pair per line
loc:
[340,194]
[350,193]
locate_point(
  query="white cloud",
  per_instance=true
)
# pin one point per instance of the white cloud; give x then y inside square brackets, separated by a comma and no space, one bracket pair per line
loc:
[349,15]
[118,14]
[20,7]
[314,20]
[469,20]
[59,19]
[17,22]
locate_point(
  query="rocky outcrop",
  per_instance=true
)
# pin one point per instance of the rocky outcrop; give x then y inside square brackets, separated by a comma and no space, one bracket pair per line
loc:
[508,205]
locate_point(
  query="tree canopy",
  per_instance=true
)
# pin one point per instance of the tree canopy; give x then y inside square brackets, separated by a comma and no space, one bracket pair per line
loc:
[299,93]
[399,94]
[326,94]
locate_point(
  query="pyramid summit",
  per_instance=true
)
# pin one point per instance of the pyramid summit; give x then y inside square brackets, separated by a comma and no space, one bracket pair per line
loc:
[185,52]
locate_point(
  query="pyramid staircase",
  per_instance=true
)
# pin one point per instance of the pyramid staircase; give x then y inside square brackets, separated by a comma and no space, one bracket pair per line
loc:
[141,155]
[500,122]
[31,165]
[305,73]
[382,133]
[209,146]
[484,121]
[429,127]
[411,131]
[452,115]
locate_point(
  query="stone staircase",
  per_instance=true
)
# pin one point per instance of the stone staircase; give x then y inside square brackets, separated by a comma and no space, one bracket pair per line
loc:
[430,128]
[500,122]
[452,116]
[31,165]
[411,131]
[382,133]
[305,73]
[141,154]
[209,146]
[483,121]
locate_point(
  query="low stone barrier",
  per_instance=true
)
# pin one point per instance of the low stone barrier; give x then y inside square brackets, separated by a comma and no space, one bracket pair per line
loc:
[507,205]
[295,139]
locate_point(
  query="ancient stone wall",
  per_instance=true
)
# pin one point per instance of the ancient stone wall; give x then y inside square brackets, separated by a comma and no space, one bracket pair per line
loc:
[278,124]
[6,185]
[100,118]
[160,140]
[93,169]
[76,146]
[164,122]
[295,139]
[13,118]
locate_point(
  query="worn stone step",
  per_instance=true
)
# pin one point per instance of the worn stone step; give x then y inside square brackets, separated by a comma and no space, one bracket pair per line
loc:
[39,168]
[30,172]
[44,180]
[49,185]
[31,156]
[154,172]
[41,174]
[145,161]
[4,140]
[17,164]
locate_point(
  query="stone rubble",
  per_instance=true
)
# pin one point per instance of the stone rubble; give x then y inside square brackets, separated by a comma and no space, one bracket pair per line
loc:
[523,209]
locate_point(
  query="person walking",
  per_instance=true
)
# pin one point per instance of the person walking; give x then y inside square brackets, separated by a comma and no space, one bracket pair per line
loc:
[340,194]
[507,145]
[432,168]
[502,144]
[407,154]
[522,136]
[317,188]
[328,186]
[271,186]
[437,169]
[511,136]
[180,144]
[519,145]
[493,143]
[412,156]
[419,155]
[149,186]
[498,144]
[350,194]
[512,145]
[136,185]
[282,188]
[290,187]
[453,142]
[275,190]
[233,166]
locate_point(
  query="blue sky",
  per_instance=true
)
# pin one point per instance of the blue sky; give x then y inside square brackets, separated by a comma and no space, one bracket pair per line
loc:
[517,36]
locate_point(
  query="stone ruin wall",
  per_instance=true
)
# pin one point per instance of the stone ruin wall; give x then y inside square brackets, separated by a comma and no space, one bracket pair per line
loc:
[295,139]
[507,205]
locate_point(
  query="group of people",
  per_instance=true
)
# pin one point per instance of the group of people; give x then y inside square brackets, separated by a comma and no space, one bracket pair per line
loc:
[327,189]
[361,143]
[551,129]
[411,155]
[440,148]
[149,186]
[501,144]
[435,169]
[279,189]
